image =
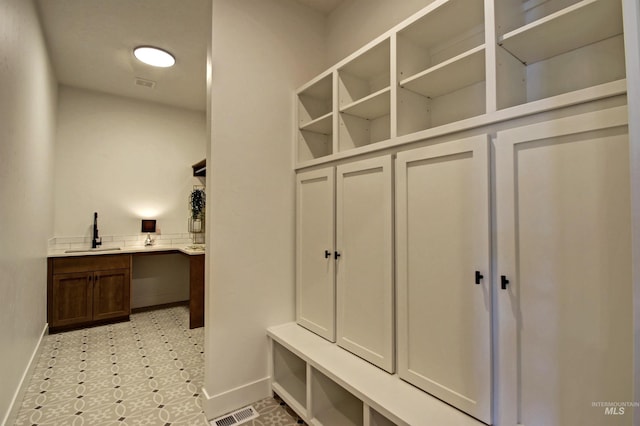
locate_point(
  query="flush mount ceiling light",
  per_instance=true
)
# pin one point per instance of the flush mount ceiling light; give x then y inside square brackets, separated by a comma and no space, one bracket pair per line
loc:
[154,56]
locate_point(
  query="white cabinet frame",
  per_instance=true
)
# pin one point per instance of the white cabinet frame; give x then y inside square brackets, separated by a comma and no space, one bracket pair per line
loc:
[509,321]
[456,207]
[364,241]
[315,246]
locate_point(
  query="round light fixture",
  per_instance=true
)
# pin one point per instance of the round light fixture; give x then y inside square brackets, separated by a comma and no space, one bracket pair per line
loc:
[154,56]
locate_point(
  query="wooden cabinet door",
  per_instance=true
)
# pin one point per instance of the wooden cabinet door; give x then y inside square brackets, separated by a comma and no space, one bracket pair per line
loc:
[315,246]
[72,299]
[364,241]
[565,317]
[442,239]
[111,294]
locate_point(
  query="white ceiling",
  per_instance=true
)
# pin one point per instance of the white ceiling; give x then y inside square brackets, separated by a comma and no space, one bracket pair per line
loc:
[91,42]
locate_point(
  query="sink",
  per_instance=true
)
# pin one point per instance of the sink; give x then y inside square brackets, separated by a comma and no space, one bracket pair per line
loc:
[92,250]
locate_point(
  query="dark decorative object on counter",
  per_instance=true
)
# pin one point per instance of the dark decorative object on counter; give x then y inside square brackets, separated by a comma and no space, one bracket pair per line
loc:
[148,226]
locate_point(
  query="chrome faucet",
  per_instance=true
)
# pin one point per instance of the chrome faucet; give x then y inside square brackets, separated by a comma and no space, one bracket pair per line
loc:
[96,241]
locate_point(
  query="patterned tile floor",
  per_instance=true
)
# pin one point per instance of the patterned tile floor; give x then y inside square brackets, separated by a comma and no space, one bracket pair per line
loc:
[148,371]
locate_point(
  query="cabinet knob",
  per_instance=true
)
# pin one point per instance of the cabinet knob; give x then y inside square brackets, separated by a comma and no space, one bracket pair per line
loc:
[503,282]
[327,254]
[337,254]
[479,277]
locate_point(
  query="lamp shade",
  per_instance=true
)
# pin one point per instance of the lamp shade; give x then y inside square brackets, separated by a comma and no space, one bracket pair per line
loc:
[148,225]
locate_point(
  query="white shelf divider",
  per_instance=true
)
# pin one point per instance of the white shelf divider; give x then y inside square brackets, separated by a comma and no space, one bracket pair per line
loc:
[371,107]
[461,71]
[396,400]
[583,23]
[322,125]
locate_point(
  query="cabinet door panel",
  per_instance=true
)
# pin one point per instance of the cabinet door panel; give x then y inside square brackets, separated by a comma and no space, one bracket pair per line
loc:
[72,295]
[315,270]
[564,238]
[444,317]
[111,294]
[365,266]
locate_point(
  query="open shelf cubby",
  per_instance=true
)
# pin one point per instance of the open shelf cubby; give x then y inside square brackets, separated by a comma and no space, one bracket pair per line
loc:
[290,377]
[315,101]
[442,66]
[315,119]
[364,98]
[377,419]
[332,404]
[549,48]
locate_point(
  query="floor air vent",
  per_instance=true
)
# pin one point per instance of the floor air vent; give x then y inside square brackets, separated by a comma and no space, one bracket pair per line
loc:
[238,417]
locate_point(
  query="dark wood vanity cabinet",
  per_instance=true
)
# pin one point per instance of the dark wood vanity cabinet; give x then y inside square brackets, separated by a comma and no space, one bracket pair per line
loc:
[88,290]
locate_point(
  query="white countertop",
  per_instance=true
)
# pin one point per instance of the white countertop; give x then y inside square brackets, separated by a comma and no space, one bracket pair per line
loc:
[183,248]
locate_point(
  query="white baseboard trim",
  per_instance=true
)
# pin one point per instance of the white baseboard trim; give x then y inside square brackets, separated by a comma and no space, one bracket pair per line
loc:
[14,407]
[225,402]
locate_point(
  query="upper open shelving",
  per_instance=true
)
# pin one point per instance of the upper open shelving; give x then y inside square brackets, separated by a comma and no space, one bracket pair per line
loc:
[370,107]
[579,25]
[449,29]
[315,101]
[551,48]
[461,71]
[315,119]
[322,125]
[365,74]
[441,62]
[364,101]
[449,68]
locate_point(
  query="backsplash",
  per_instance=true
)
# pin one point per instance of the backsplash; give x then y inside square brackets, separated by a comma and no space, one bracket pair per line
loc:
[56,244]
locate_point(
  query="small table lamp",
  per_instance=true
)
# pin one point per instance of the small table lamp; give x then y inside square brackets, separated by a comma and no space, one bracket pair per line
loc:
[148,226]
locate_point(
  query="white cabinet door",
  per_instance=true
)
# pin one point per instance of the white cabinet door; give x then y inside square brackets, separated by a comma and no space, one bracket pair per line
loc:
[442,243]
[365,263]
[565,315]
[315,240]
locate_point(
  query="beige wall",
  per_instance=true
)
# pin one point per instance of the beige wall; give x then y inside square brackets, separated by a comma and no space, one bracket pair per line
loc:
[27,119]
[262,50]
[125,159]
[356,22]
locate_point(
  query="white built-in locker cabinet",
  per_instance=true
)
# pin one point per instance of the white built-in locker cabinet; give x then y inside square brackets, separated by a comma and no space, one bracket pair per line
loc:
[364,233]
[565,324]
[562,327]
[315,246]
[443,270]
